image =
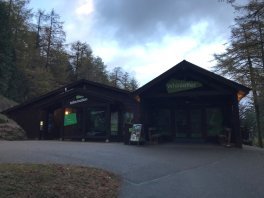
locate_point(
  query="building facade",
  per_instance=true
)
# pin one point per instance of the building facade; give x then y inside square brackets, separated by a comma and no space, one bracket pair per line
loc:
[185,102]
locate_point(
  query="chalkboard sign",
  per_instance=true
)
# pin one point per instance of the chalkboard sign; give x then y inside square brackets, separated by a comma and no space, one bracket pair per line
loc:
[136,133]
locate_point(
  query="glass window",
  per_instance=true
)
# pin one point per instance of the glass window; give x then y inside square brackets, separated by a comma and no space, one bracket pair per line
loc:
[181,123]
[114,123]
[196,123]
[214,121]
[159,121]
[128,117]
[96,122]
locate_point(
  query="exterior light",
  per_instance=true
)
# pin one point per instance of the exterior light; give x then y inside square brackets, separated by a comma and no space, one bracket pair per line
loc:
[41,123]
[240,95]
[137,98]
[67,112]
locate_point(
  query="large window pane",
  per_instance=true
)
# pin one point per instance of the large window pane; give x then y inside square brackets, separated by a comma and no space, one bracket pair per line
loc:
[159,121]
[114,123]
[196,123]
[96,122]
[181,123]
[214,121]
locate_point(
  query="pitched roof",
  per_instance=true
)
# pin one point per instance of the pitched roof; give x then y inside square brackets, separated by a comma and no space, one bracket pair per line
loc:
[185,65]
[62,90]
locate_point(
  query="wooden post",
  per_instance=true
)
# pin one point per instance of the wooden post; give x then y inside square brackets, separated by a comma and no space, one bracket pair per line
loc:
[120,123]
[173,126]
[204,122]
[188,128]
[62,127]
[83,117]
[138,111]
[236,122]
[108,122]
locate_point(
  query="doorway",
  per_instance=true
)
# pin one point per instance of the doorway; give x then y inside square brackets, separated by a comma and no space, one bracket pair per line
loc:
[51,123]
[96,122]
[189,123]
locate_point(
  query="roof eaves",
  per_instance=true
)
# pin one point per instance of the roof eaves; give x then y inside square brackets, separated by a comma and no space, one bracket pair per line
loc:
[64,89]
[185,64]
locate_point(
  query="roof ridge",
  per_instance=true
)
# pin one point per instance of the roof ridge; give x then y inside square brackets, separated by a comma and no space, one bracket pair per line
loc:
[185,64]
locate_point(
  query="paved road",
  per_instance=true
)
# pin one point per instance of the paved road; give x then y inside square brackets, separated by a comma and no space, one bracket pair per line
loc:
[169,170]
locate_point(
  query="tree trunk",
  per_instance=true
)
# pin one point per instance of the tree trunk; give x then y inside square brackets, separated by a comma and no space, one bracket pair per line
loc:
[254,91]
[256,102]
[38,31]
[261,42]
[49,40]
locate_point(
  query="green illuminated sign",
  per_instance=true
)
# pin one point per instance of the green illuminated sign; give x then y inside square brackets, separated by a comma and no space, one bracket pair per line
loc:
[70,119]
[174,85]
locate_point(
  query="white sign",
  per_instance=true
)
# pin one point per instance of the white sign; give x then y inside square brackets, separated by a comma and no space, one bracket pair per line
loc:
[136,133]
[79,99]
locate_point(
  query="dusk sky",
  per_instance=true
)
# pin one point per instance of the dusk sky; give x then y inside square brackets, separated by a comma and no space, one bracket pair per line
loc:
[146,37]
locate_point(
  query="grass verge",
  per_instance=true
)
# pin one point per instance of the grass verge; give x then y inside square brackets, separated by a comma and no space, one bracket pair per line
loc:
[36,180]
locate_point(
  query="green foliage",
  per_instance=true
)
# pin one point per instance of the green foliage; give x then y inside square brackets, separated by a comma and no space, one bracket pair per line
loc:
[243,60]
[120,79]
[10,130]
[34,58]
[2,121]
[6,50]
[6,103]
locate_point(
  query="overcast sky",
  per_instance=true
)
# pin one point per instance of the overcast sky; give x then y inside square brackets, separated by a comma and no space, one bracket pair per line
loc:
[146,37]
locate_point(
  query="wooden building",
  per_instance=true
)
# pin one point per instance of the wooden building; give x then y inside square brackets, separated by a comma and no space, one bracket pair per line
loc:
[185,102]
[188,102]
[80,110]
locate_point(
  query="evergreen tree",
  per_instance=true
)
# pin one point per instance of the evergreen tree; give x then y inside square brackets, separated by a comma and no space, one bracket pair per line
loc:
[80,55]
[33,57]
[6,50]
[243,57]
[115,77]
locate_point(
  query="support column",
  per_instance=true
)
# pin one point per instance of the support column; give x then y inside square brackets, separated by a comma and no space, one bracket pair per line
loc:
[236,122]
[84,114]
[108,122]
[62,127]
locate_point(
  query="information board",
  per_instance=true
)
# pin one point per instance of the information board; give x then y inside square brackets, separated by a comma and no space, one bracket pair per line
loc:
[136,133]
[70,119]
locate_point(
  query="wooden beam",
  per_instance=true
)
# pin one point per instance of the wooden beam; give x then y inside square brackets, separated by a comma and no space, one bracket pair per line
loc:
[236,122]
[108,121]
[196,93]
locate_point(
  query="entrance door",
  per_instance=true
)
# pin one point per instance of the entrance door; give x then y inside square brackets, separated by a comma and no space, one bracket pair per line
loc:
[96,122]
[188,123]
[196,123]
[159,121]
[181,123]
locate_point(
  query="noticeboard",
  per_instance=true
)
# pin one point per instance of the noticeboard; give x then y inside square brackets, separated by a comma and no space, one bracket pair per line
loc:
[70,119]
[136,133]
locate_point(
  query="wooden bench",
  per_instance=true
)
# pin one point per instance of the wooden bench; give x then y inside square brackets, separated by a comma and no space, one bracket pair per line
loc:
[154,135]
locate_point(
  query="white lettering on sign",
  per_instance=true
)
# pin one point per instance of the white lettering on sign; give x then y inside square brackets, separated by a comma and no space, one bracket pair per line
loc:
[78,101]
[181,85]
